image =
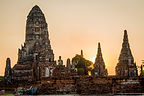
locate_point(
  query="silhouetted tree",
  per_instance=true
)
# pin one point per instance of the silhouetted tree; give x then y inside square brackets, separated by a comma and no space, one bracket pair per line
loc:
[141,68]
[81,64]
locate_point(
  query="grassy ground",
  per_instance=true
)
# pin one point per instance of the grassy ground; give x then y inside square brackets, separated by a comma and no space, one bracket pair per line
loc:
[1,78]
[8,93]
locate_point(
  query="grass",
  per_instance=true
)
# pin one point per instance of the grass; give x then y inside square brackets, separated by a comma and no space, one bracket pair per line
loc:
[8,93]
[1,78]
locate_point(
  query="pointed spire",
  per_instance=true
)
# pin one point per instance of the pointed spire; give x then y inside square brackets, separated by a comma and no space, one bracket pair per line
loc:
[35,20]
[8,63]
[126,65]
[8,71]
[125,36]
[125,51]
[34,10]
[82,53]
[125,40]
[36,6]
[68,64]
[99,49]
[99,53]
[99,65]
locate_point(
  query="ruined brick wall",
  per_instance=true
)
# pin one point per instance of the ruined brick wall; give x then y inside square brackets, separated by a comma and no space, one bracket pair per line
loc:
[90,85]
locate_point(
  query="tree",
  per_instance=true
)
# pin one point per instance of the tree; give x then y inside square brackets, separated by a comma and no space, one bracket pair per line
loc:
[141,71]
[81,64]
[141,68]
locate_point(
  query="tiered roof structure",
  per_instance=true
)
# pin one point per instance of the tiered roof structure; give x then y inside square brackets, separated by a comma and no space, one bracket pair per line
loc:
[99,65]
[126,66]
[35,58]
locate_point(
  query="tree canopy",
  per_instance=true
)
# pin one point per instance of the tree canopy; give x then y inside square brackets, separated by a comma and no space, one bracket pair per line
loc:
[82,65]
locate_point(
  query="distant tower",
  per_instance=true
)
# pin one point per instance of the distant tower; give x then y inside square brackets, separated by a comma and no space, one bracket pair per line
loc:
[68,64]
[8,72]
[99,65]
[126,66]
[82,53]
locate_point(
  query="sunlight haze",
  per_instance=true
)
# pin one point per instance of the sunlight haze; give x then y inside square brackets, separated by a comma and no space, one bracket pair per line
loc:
[74,25]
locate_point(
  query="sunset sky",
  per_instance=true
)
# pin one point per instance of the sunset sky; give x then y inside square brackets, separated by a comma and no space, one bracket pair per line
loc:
[74,25]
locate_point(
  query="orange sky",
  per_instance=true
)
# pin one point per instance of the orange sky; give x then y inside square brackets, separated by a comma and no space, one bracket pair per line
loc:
[75,25]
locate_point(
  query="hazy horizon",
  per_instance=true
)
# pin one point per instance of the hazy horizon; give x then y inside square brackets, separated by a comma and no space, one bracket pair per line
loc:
[74,25]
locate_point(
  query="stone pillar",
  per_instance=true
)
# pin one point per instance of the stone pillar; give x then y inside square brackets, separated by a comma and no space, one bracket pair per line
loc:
[60,61]
[73,66]
[82,53]
[68,64]
[8,72]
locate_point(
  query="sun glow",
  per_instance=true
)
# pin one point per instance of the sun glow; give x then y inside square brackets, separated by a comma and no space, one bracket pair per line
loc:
[92,59]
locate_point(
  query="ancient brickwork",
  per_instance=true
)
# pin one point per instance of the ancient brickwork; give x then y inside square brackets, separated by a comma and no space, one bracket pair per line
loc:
[99,65]
[8,72]
[68,64]
[88,85]
[126,66]
[35,58]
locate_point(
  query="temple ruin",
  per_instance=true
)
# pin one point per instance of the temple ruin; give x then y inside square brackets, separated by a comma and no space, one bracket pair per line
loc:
[99,65]
[35,58]
[126,66]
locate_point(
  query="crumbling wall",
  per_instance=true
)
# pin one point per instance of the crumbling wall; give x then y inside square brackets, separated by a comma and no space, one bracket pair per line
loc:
[90,85]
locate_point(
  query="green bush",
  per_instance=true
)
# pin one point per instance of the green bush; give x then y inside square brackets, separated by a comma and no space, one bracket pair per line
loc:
[81,64]
[1,78]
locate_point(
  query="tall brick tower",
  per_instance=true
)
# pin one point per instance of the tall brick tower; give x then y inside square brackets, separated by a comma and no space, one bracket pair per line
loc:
[126,66]
[35,58]
[99,65]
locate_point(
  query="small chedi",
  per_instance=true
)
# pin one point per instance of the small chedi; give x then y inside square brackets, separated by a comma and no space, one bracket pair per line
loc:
[35,58]
[126,66]
[60,61]
[68,64]
[99,65]
[8,72]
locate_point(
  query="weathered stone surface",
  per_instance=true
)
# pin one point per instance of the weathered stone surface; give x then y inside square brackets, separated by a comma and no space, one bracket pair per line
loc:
[68,64]
[88,85]
[99,65]
[8,72]
[35,58]
[126,65]
[64,72]
[60,61]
